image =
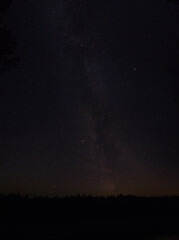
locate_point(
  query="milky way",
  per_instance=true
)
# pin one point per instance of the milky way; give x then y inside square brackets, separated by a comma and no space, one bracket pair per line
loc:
[92,105]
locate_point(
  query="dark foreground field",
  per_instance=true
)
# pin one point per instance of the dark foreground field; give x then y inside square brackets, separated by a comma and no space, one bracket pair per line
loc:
[89,218]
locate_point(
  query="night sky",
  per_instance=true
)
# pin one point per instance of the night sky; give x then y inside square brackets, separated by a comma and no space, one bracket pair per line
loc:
[92,104]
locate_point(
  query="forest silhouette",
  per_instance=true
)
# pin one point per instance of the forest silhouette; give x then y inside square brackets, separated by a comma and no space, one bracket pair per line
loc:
[87,217]
[8,44]
[81,216]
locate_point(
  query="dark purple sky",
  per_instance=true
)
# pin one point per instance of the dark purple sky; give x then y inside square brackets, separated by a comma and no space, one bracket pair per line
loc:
[92,106]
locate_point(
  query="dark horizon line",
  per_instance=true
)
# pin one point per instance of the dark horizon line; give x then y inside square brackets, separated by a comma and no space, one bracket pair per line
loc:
[83,195]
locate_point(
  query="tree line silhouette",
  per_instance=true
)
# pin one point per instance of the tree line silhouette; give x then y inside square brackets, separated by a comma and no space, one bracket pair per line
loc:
[8,43]
[128,217]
